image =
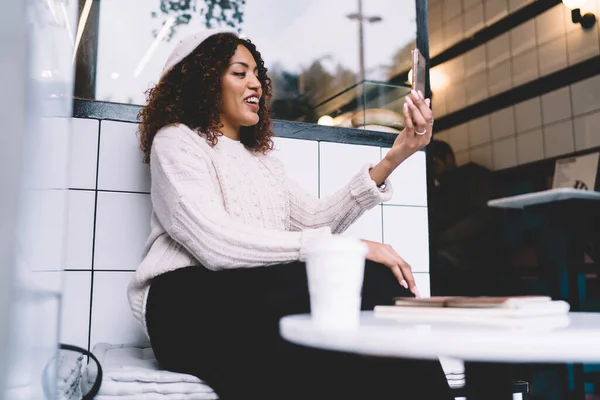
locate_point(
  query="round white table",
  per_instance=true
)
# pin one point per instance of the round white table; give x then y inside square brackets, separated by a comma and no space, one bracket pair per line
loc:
[487,347]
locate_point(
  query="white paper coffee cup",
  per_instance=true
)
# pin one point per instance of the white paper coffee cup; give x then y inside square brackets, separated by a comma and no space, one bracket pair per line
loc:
[335,268]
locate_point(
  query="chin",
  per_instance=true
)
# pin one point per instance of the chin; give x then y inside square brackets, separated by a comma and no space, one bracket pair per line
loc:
[251,120]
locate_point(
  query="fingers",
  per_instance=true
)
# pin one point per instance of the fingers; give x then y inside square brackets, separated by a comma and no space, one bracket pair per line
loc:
[390,260]
[423,104]
[408,123]
[417,118]
[408,276]
[398,274]
[401,270]
[418,109]
[387,256]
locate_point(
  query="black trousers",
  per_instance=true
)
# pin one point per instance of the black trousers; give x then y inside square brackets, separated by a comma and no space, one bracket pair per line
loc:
[223,327]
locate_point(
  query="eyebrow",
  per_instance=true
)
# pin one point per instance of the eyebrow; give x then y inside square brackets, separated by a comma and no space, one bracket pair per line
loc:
[244,64]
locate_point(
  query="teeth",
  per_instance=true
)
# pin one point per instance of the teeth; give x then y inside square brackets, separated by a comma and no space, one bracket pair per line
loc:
[252,100]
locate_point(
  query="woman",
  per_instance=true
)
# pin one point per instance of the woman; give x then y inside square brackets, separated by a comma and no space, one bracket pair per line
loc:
[224,260]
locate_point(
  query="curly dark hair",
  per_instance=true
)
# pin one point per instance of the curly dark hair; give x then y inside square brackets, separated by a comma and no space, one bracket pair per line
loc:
[190,94]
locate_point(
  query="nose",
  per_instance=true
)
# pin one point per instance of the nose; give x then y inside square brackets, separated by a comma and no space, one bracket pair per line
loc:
[254,83]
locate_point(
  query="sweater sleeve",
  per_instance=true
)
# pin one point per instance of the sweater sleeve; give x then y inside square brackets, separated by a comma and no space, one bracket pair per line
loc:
[188,204]
[340,210]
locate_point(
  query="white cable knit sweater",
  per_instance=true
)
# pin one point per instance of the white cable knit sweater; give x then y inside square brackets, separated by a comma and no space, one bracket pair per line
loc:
[229,207]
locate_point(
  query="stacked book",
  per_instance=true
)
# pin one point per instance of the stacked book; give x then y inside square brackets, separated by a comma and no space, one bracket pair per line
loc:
[479,309]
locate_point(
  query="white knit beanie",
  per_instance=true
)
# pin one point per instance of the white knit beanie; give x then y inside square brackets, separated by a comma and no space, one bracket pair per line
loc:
[188,44]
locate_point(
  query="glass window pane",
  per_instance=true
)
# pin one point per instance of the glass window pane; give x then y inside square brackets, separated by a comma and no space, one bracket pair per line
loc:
[311,47]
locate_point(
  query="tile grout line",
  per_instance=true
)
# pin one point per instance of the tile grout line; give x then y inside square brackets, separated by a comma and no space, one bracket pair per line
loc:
[108,191]
[99,270]
[94,238]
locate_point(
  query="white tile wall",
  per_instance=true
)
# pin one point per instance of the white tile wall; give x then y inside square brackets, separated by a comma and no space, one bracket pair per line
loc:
[75,313]
[44,226]
[112,320]
[122,228]
[423,283]
[563,121]
[340,162]
[406,230]
[120,166]
[48,150]
[84,153]
[108,227]
[368,226]
[409,181]
[80,229]
[300,159]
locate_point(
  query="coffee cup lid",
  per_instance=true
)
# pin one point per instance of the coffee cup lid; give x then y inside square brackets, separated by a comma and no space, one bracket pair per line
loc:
[337,243]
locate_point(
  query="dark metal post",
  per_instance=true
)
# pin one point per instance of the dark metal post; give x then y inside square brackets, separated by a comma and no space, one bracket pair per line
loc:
[361,39]
[423,39]
[87,53]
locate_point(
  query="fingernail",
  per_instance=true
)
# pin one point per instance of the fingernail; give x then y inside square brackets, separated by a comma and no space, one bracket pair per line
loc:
[409,101]
[416,291]
[421,95]
[414,93]
[405,107]
[404,284]
[428,101]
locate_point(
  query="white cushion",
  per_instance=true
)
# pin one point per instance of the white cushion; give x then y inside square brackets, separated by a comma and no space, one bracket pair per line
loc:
[132,372]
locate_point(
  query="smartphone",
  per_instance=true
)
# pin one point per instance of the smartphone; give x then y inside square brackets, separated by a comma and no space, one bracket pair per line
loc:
[418,71]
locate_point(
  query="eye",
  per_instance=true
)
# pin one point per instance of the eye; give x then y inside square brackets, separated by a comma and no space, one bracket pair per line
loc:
[240,74]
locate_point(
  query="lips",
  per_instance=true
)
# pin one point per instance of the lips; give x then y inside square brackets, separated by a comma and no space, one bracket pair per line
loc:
[252,102]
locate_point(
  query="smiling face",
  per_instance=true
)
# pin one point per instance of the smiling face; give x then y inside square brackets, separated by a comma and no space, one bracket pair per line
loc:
[240,93]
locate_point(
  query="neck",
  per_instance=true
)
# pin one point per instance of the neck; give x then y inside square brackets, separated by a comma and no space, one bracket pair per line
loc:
[231,132]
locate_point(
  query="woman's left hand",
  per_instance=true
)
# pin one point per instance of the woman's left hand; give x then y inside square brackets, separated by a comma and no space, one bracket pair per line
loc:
[419,128]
